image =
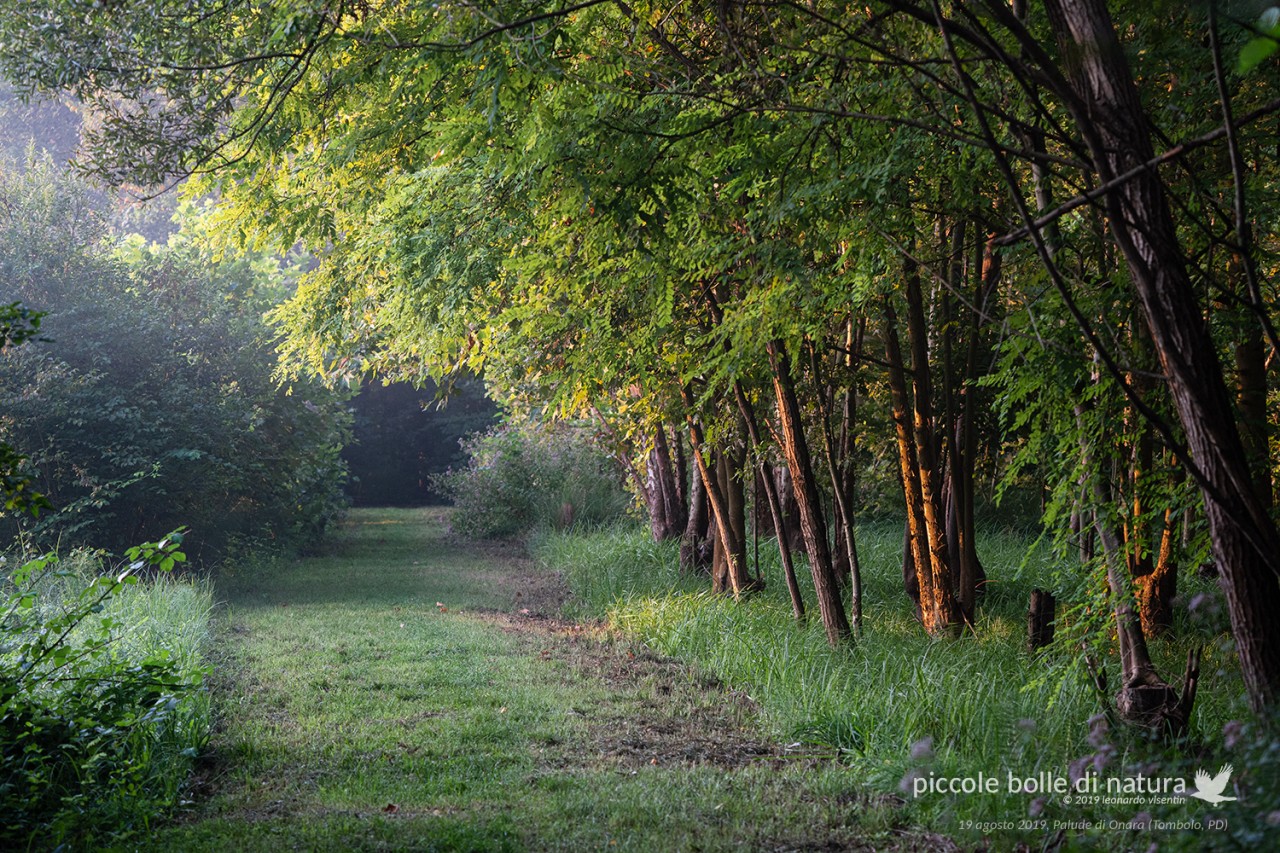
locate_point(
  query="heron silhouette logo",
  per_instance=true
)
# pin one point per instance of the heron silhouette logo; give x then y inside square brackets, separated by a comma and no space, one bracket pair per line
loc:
[1210,789]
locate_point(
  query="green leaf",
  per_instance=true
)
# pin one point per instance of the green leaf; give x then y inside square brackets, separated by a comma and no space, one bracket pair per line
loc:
[1258,50]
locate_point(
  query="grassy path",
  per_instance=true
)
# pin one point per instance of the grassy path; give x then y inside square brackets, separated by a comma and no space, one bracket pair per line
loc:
[406,691]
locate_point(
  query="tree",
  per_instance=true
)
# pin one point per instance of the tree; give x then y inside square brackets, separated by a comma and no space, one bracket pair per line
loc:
[152,403]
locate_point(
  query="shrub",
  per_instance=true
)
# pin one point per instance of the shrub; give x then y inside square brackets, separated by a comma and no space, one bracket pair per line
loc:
[148,399]
[521,478]
[101,712]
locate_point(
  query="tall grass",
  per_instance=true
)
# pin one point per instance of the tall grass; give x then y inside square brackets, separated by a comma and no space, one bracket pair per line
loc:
[895,704]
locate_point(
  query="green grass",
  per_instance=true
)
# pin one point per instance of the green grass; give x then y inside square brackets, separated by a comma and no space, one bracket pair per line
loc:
[370,699]
[901,705]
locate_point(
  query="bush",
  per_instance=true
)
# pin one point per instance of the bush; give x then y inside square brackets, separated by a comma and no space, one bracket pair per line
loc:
[148,400]
[101,711]
[523,478]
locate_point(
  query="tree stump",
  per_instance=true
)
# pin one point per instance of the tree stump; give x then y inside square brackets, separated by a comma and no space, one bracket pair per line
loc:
[1040,616]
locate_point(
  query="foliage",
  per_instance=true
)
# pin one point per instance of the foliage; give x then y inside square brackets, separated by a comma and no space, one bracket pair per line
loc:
[152,403]
[619,211]
[17,325]
[519,479]
[101,709]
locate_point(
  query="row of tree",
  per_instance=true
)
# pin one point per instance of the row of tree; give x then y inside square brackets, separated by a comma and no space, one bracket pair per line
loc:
[765,241]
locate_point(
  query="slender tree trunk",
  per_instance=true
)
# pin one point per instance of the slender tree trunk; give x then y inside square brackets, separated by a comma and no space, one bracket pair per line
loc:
[731,536]
[666,511]
[973,575]
[768,484]
[910,580]
[812,520]
[1245,541]
[729,555]
[917,537]
[945,608]
[844,510]
[731,465]
[786,492]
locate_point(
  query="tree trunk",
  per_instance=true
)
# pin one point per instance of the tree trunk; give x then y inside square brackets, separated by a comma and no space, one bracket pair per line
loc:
[920,561]
[812,520]
[730,536]
[766,479]
[667,515]
[1040,620]
[695,544]
[946,609]
[1251,397]
[845,536]
[1157,588]
[730,470]
[1245,541]
[786,491]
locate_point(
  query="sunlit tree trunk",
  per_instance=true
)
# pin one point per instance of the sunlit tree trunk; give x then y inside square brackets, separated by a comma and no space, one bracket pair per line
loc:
[724,495]
[812,519]
[925,525]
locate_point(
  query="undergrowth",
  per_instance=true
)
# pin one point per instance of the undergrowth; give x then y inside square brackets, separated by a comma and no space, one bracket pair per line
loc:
[102,713]
[902,709]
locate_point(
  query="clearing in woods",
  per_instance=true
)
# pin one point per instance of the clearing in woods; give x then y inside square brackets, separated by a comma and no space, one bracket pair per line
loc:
[406,690]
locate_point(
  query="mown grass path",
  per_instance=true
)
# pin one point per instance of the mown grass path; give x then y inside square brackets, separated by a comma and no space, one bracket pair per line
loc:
[408,691]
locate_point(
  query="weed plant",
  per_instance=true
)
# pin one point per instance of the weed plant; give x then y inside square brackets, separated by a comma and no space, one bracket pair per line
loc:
[897,706]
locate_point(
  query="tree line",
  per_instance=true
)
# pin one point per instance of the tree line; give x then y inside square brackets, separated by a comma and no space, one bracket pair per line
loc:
[760,244]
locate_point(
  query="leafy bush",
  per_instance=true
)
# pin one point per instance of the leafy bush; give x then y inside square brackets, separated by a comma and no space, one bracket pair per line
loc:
[522,478]
[152,402]
[101,714]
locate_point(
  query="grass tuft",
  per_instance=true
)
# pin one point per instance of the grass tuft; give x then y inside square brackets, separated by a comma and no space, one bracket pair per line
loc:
[896,704]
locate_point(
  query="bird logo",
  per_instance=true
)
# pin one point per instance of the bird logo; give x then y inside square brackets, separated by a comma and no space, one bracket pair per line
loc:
[1210,789]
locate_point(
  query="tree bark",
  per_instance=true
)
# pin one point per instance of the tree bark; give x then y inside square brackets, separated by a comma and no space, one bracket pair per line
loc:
[1246,545]
[667,515]
[845,536]
[768,484]
[921,557]
[812,520]
[695,544]
[725,503]
[1040,620]
[1157,588]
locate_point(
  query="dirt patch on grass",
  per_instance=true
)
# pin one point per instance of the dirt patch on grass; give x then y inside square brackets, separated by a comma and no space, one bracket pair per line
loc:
[514,575]
[653,710]
[647,709]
